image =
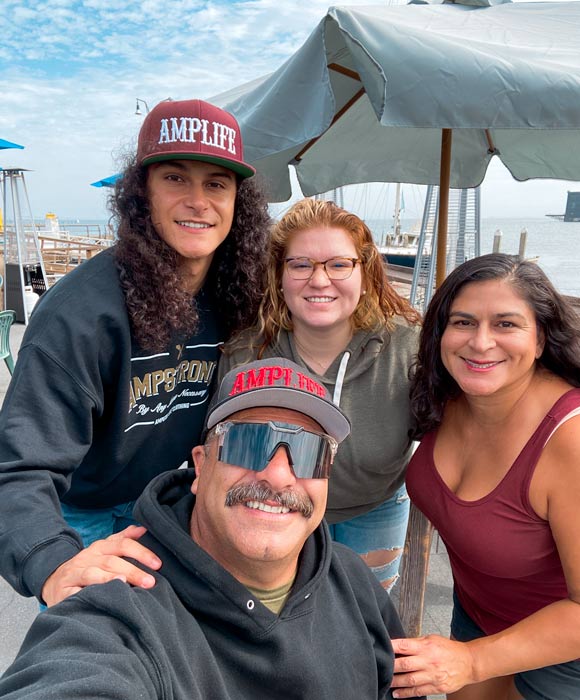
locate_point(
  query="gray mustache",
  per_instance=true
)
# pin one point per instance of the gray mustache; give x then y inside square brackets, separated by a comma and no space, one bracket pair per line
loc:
[261,491]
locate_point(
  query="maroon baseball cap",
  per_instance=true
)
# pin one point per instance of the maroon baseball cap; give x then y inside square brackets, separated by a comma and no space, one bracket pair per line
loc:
[192,130]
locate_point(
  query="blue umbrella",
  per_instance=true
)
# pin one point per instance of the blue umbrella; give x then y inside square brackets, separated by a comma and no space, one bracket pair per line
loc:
[9,144]
[107,181]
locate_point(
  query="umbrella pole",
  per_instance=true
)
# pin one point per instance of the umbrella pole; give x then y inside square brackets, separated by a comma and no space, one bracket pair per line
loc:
[444,179]
[415,562]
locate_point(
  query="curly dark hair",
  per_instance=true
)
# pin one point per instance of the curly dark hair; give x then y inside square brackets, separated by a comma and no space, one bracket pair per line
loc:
[432,385]
[158,306]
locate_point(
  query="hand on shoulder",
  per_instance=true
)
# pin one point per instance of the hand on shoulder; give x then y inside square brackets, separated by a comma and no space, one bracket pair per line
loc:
[100,562]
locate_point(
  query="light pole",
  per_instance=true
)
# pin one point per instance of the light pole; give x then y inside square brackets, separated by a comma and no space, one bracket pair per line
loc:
[138,109]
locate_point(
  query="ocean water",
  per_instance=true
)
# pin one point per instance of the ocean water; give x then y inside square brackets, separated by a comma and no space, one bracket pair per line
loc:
[82,227]
[556,244]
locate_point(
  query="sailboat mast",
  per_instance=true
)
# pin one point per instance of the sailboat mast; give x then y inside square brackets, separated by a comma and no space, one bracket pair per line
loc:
[397,212]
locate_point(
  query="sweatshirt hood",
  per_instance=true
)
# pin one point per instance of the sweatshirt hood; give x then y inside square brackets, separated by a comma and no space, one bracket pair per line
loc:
[363,349]
[165,509]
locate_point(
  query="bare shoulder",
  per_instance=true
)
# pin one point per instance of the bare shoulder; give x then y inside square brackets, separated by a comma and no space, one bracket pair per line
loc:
[556,481]
[558,467]
[560,479]
[566,435]
[562,451]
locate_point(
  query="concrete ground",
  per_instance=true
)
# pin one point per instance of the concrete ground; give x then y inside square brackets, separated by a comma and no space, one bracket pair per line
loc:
[17,613]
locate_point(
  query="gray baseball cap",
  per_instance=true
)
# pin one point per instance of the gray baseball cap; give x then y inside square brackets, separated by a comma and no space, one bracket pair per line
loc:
[279,383]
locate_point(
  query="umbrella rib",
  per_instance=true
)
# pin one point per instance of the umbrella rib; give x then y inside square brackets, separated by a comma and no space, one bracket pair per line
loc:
[336,117]
[345,71]
[491,149]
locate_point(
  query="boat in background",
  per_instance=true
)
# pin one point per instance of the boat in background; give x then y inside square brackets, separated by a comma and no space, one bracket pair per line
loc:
[400,248]
[572,209]
[396,247]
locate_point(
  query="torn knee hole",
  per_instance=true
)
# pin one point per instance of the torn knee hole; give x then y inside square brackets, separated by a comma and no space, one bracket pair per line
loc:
[389,583]
[381,557]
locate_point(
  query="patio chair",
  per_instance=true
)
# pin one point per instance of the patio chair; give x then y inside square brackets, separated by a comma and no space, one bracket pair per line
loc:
[6,320]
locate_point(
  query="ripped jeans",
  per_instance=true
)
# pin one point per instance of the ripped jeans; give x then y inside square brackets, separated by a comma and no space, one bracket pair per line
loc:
[378,536]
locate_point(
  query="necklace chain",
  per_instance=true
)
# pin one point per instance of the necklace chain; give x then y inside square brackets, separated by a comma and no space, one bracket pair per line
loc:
[306,355]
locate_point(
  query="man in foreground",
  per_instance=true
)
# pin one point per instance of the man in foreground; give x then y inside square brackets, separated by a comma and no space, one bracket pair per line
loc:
[253,599]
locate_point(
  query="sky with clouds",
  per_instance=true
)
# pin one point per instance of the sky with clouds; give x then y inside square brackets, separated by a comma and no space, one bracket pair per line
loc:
[71,70]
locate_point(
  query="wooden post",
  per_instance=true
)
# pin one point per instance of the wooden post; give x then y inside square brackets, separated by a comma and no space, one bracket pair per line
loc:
[414,569]
[523,241]
[415,563]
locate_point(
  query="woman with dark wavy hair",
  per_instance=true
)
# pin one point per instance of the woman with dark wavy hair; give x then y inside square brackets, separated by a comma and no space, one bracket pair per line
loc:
[329,307]
[496,397]
[119,359]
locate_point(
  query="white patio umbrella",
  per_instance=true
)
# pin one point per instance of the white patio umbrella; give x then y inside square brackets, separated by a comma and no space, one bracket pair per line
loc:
[380,93]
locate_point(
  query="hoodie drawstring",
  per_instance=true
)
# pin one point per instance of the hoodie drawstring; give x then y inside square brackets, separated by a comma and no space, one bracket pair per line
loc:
[340,378]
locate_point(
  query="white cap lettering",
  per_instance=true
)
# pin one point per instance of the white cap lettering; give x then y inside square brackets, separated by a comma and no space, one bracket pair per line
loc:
[232,140]
[185,129]
[179,130]
[205,139]
[164,132]
[195,128]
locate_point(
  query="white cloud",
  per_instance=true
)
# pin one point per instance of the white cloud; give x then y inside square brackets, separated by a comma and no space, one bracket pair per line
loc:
[70,71]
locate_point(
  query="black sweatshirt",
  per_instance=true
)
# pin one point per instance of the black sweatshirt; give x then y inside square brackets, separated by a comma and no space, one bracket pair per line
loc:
[89,417]
[200,634]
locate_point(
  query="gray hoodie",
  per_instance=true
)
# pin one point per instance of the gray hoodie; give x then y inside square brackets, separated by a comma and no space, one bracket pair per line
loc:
[370,382]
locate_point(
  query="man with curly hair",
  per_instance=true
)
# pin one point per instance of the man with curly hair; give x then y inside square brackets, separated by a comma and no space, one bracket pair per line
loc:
[117,363]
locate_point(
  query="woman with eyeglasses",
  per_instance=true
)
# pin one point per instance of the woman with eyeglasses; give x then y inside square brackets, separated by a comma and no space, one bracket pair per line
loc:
[329,307]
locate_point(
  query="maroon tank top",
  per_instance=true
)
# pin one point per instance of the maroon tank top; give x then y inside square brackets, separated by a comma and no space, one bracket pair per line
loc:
[503,557]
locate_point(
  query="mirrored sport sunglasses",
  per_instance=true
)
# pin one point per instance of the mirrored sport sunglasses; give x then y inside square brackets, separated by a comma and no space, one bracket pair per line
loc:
[253,445]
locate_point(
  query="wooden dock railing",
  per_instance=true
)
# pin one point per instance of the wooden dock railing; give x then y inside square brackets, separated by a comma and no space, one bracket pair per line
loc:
[61,255]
